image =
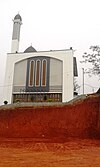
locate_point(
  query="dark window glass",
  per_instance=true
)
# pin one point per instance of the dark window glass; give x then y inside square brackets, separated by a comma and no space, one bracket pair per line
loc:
[37,73]
[44,72]
[31,75]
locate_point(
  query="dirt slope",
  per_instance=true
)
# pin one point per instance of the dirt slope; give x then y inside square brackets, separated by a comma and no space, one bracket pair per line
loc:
[79,119]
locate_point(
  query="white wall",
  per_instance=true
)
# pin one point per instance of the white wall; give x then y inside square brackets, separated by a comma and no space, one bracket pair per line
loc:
[20,71]
[56,77]
[66,56]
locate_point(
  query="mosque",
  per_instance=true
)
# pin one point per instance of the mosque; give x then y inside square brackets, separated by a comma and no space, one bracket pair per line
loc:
[38,76]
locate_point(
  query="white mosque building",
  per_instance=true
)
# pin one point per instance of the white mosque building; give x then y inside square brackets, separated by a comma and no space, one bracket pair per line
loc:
[38,76]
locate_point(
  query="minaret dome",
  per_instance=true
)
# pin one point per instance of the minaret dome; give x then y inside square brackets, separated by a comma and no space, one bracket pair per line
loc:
[18,17]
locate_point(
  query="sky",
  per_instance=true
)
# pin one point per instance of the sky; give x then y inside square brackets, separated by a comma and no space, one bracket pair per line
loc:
[51,25]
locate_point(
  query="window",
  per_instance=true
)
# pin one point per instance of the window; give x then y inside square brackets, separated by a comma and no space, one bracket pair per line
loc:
[44,68]
[37,81]
[31,76]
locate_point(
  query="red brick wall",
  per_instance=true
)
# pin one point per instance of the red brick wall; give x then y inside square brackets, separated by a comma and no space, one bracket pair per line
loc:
[81,119]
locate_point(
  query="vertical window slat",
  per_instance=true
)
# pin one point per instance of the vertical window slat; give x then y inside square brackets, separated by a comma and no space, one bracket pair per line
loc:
[31,74]
[37,73]
[44,68]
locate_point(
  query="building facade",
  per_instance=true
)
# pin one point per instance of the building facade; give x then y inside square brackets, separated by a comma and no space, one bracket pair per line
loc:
[38,76]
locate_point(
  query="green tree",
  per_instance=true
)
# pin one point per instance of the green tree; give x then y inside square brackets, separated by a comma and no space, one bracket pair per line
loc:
[92,58]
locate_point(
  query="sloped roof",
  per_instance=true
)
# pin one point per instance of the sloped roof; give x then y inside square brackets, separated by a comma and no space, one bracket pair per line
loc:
[30,49]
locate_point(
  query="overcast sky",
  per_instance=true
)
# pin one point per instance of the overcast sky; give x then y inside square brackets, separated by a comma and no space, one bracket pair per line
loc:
[48,25]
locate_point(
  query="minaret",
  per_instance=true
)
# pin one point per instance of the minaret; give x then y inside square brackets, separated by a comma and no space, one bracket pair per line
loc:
[16,33]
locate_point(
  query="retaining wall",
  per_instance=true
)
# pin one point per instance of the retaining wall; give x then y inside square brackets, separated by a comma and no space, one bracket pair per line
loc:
[80,119]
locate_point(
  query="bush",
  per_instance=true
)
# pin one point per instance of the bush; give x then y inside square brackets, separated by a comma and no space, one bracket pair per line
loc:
[5,102]
[17,101]
[50,100]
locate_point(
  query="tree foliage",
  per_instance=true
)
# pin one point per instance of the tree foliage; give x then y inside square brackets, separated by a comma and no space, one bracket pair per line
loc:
[92,58]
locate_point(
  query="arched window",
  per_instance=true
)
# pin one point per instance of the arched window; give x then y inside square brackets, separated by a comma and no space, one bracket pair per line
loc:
[31,76]
[44,71]
[37,80]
